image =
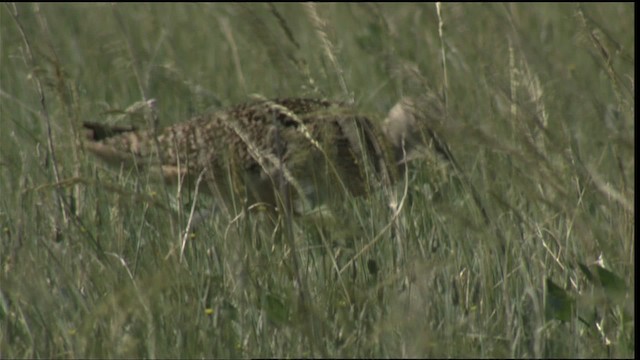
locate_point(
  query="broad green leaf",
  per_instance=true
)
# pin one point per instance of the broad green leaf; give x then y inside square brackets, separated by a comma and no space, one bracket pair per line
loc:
[612,284]
[559,304]
[587,273]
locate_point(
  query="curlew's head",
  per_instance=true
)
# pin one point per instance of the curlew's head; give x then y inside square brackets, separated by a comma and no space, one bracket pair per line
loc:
[407,127]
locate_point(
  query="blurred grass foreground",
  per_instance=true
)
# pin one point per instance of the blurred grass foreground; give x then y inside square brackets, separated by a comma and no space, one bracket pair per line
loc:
[525,250]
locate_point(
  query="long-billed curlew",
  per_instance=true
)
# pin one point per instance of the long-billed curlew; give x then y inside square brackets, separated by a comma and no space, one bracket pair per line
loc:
[316,149]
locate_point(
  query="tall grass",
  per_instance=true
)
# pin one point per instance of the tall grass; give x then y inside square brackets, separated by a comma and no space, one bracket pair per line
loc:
[524,248]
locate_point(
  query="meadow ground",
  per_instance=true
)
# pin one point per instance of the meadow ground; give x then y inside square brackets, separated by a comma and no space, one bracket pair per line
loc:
[526,251]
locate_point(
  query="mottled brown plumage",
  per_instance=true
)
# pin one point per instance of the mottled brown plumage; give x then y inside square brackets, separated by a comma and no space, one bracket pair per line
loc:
[319,149]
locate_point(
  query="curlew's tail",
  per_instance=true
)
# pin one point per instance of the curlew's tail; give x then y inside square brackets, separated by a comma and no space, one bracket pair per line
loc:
[97,132]
[116,145]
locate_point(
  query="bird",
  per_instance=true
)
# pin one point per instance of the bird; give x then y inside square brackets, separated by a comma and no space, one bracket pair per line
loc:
[314,150]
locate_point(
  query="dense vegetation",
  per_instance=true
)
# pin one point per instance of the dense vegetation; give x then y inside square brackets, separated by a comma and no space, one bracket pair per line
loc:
[526,249]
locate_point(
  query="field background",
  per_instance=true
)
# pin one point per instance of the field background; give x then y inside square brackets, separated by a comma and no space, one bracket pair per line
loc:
[540,117]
